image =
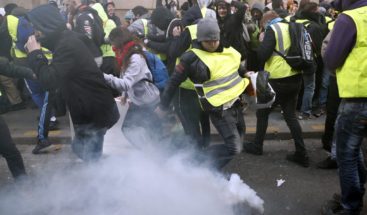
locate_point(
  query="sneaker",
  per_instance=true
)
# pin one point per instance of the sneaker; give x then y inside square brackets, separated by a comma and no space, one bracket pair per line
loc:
[251,148]
[304,116]
[334,207]
[328,163]
[53,125]
[42,144]
[318,112]
[301,160]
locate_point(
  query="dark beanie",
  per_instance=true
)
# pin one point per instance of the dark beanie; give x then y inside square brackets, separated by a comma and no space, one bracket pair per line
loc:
[9,8]
[161,17]
[208,29]
[47,19]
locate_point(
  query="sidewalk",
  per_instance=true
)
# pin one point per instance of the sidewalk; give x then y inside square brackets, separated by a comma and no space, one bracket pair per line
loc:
[23,127]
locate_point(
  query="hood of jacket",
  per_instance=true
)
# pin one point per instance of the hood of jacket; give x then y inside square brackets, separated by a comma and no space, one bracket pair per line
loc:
[48,20]
[161,17]
[350,5]
[312,16]
[192,16]
[259,6]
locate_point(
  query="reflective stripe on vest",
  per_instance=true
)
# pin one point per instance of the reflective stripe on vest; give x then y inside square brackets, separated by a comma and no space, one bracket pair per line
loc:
[305,22]
[145,25]
[330,25]
[352,76]
[225,84]
[203,11]
[187,84]
[276,65]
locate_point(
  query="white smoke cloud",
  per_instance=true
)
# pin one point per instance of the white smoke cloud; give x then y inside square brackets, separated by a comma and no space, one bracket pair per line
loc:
[149,180]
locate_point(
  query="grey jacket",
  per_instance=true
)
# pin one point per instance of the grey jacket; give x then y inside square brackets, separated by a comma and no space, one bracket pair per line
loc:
[131,81]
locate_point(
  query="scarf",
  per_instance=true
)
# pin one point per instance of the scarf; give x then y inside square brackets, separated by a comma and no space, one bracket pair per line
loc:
[121,53]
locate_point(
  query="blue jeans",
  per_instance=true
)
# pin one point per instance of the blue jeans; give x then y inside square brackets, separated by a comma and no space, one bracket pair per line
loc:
[88,142]
[308,92]
[324,87]
[43,100]
[351,127]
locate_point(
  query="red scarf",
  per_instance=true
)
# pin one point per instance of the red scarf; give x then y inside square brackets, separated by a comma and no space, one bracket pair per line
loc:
[120,53]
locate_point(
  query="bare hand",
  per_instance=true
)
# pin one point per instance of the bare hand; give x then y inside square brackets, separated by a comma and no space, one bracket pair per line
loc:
[161,113]
[32,44]
[176,31]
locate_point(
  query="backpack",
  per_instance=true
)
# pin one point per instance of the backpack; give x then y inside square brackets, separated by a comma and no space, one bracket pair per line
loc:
[158,70]
[300,53]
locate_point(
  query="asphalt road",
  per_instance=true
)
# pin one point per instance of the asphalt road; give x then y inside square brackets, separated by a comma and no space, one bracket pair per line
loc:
[303,192]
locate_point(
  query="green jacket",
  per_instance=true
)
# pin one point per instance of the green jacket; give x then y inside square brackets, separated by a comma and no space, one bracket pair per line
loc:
[11,70]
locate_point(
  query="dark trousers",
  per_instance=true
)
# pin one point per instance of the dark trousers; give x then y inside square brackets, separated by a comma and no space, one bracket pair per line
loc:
[286,90]
[332,104]
[194,120]
[141,122]
[351,128]
[231,126]
[10,152]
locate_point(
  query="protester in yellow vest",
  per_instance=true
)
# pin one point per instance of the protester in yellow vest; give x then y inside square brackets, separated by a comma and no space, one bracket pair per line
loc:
[214,71]
[109,62]
[195,122]
[19,30]
[346,53]
[285,81]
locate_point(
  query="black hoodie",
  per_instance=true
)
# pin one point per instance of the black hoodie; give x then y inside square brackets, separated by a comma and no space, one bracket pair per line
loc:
[72,70]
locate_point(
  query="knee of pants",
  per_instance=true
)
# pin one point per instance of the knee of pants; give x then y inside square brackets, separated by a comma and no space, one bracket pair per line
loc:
[233,144]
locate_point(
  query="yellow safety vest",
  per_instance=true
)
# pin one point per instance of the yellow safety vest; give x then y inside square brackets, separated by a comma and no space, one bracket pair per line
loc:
[276,65]
[187,84]
[108,26]
[161,56]
[352,76]
[330,24]
[224,84]
[12,23]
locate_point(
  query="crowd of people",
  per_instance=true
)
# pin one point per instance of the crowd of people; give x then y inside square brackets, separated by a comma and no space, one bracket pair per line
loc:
[79,56]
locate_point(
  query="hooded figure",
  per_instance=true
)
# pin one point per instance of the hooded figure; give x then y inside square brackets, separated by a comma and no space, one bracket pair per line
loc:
[231,25]
[74,71]
[257,11]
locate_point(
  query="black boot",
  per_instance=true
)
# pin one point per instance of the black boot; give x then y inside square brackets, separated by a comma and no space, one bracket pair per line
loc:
[252,148]
[42,144]
[300,159]
[328,163]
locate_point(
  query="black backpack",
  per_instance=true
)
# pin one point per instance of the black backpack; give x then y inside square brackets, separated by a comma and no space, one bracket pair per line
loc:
[300,54]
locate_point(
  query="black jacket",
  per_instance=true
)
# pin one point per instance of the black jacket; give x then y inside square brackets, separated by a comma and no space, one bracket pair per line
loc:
[73,70]
[231,30]
[266,47]
[88,22]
